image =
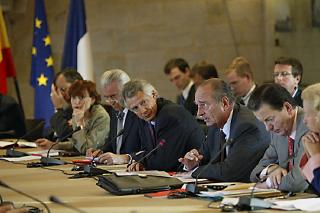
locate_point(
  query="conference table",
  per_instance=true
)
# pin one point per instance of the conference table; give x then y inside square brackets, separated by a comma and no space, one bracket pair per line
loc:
[83,193]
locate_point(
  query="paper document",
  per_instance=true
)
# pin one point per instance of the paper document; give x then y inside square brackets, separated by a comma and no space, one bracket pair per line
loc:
[240,192]
[24,158]
[53,153]
[144,173]
[309,204]
[4,144]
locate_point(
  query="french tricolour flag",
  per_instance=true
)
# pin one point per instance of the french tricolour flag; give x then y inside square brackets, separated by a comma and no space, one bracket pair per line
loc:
[77,49]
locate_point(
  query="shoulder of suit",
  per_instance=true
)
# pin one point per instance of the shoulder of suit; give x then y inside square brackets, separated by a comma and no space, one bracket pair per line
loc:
[99,110]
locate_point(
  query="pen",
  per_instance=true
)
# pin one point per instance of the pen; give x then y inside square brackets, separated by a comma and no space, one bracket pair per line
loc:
[39,155]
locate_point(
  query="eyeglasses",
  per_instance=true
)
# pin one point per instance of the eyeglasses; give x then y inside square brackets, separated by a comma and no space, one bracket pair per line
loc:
[111,98]
[282,74]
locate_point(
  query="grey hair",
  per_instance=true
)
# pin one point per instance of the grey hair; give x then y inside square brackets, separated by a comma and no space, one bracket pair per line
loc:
[220,89]
[114,75]
[131,88]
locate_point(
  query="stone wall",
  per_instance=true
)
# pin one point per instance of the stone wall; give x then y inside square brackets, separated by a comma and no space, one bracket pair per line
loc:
[139,36]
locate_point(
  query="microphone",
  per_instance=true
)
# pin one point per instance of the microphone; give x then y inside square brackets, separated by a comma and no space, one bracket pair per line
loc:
[3,184]
[13,153]
[47,161]
[91,169]
[252,203]
[56,200]
[193,188]
[161,143]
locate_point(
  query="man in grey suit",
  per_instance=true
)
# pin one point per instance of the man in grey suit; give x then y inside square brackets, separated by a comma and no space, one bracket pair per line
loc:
[231,122]
[279,167]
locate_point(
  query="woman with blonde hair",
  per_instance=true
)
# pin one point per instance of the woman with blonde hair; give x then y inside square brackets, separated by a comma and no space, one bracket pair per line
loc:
[311,141]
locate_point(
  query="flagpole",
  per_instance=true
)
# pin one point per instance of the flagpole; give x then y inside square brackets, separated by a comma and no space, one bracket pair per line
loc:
[16,85]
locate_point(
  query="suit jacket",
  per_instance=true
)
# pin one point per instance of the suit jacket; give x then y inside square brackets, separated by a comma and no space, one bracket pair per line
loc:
[11,117]
[277,153]
[315,183]
[93,134]
[59,124]
[180,131]
[130,138]
[249,141]
[189,104]
[297,98]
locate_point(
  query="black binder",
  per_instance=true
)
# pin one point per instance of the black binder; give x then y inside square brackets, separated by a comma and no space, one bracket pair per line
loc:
[137,184]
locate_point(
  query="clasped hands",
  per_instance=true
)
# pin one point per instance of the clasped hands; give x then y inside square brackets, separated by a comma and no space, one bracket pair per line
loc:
[311,143]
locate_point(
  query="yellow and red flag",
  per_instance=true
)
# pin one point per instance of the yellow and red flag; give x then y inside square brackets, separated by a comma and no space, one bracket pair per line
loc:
[6,61]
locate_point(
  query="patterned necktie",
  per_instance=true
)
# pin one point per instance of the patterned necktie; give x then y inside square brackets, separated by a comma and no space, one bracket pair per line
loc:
[152,133]
[120,117]
[290,153]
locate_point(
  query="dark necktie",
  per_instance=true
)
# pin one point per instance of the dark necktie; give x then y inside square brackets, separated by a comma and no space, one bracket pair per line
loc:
[290,153]
[120,117]
[181,100]
[222,142]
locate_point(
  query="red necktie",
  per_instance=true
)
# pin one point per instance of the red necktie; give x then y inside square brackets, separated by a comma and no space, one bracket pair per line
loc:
[303,160]
[290,152]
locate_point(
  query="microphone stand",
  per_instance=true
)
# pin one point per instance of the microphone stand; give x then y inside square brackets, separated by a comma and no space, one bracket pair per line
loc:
[3,184]
[91,169]
[193,188]
[160,144]
[48,161]
[252,203]
[56,200]
[13,153]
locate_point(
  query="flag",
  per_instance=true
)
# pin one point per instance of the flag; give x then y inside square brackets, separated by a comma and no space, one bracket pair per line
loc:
[6,60]
[77,49]
[42,72]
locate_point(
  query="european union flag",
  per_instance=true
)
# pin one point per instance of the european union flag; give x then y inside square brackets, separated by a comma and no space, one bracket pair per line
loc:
[42,72]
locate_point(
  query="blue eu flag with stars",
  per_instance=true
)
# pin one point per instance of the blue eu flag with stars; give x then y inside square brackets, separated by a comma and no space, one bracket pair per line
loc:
[42,72]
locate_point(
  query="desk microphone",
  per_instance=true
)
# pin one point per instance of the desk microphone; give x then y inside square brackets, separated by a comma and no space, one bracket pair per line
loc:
[91,169]
[56,200]
[161,143]
[3,184]
[193,188]
[13,153]
[252,203]
[48,161]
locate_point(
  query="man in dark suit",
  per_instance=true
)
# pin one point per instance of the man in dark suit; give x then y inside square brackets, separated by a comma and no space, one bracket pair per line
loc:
[227,121]
[178,71]
[118,144]
[60,125]
[12,122]
[288,73]
[279,167]
[163,124]
[240,78]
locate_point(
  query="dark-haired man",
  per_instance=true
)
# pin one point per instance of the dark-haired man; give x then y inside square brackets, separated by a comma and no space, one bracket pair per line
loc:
[279,168]
[231,122]
[178,72]
[288,73]
[202,71]
[59,122]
